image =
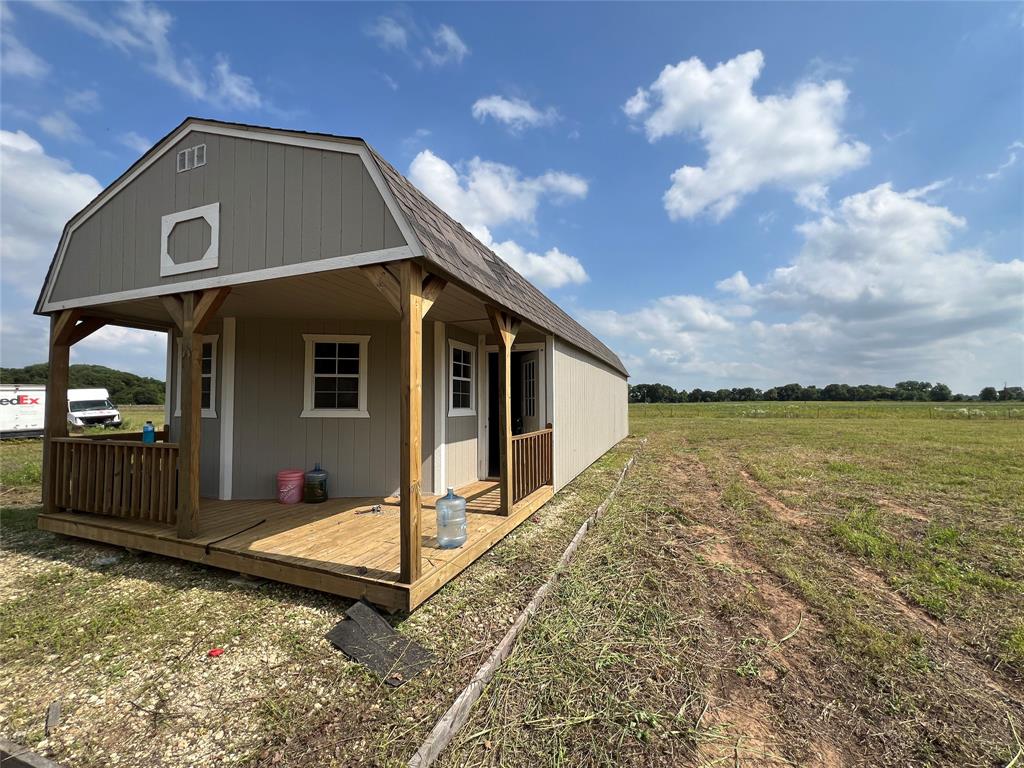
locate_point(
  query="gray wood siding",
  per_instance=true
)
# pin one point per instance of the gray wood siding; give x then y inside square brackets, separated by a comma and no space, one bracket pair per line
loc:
[591,404]
[279,205]
[461,431]
[209,428]
[361,455]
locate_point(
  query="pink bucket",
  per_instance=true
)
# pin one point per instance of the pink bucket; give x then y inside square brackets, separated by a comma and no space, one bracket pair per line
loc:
[289,486]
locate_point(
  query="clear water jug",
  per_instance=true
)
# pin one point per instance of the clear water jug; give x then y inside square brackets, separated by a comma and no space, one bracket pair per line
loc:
[451,521]
[314,489]
[148,432]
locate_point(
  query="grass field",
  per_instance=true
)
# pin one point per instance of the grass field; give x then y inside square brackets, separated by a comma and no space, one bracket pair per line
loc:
[802,587]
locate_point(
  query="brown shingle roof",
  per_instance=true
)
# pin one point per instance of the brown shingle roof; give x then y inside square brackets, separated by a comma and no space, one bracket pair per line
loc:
[451,247]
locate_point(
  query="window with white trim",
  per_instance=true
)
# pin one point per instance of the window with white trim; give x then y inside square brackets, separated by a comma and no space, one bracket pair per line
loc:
[335,376]
[207,378]
[530,389]
[190,158]
[461,392]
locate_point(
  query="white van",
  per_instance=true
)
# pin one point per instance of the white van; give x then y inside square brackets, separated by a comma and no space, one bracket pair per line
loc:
[22,410]
[92,407]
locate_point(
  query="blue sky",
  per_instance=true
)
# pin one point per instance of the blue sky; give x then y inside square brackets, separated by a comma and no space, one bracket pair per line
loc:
[728,194]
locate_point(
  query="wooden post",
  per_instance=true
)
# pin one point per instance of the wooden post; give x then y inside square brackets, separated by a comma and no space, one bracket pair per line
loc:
[188,443]
[55,422]
[505,328]
[411,419]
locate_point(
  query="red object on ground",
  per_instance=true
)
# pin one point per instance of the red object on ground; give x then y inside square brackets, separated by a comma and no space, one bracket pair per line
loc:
[215,652]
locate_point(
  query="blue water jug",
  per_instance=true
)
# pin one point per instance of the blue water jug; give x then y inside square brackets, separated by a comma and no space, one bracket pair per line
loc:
[148,432]
[451,521]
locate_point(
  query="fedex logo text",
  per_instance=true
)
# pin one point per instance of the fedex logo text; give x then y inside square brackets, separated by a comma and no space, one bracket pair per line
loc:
[20,400]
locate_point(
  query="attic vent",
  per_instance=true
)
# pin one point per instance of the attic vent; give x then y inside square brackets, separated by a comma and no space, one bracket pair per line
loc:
[190,158]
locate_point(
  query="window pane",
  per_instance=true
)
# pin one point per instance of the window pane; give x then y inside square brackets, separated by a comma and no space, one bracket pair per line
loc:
[322,365]
[324,349]
[204,401]
[348,366]
[348,399]
[324,400]
[325,384]
[350,351]
[346,384]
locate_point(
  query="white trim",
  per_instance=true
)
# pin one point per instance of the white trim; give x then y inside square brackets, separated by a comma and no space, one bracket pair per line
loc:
[205,413]
[308,411]
[240,278]
[168,371]
[440,412]
[549,398]
[227,409]
[454,344]
[413,246]
[483,459]
[211,215]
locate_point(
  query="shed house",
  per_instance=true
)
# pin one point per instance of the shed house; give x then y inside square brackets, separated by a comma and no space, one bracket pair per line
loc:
[318,308]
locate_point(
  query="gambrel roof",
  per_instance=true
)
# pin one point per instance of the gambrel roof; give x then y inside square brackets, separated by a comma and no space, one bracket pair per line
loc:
[436,237]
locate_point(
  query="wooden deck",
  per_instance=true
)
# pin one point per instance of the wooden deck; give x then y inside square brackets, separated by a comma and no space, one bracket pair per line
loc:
[340,546]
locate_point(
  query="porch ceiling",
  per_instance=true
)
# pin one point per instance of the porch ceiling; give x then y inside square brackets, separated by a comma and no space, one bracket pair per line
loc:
[340,294]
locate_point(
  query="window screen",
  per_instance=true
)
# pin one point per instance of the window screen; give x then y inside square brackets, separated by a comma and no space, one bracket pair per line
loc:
[335,375]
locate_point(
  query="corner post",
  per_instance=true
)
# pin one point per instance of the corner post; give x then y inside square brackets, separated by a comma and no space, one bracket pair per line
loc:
[411,294]
[55,423]
[188,443]
[505,328]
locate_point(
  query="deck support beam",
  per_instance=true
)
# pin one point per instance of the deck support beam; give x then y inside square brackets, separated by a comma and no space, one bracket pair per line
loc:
[191,313]
[411,292]
[506,327]
[65,330]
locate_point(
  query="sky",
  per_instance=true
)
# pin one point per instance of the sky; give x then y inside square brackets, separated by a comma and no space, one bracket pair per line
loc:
[727,194]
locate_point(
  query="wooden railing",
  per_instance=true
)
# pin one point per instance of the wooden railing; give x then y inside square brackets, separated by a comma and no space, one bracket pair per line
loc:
[532,459]
[123,478]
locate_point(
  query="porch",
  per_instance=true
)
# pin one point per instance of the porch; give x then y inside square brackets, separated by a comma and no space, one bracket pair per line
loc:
[345,547]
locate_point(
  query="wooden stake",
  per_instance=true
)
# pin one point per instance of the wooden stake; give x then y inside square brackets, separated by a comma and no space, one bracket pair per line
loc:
[411,419]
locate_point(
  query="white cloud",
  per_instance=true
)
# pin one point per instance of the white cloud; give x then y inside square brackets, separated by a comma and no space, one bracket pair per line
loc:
[38,194]
[488,194]
[143,30]
[398,32]
[1010,161]
[83,101]
[793,141]
[16,59]
[878,292]
[389,33]
[135,142]
[448,47]
[515,113]
[60,126]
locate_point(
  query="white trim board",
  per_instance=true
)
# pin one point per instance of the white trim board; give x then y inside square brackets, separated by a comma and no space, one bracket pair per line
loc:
[252,134]
[240,278]
[454,344]
[227,408]
[440,412]
[211,258]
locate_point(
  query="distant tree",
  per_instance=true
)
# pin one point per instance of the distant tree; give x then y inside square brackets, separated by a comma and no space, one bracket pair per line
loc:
[913,390]
[124,388]
[696,395]
[940,393]
[771,394]
[723,395]
[989,394]
[790,392]
[835,392]
[1011,393]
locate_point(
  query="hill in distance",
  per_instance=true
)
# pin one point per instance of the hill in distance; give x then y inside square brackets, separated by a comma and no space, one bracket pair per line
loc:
[124,388]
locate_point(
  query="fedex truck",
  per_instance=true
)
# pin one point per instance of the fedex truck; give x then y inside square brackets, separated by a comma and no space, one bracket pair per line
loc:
[23,409]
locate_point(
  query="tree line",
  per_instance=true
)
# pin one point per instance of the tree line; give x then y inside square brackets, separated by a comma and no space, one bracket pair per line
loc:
[920,391]
[124,388]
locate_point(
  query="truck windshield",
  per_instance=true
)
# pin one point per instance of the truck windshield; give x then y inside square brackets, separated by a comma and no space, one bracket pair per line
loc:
[90,405]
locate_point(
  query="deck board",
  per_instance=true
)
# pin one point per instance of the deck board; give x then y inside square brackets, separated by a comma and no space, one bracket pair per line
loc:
[337,546]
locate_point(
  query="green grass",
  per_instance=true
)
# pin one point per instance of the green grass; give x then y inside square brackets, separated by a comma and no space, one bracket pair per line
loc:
[971,411]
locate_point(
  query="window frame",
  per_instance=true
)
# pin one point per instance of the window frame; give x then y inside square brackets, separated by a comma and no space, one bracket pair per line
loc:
[530,398]
[360,411]
[454,344]
[205,413]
